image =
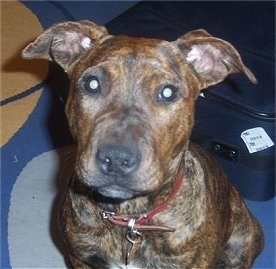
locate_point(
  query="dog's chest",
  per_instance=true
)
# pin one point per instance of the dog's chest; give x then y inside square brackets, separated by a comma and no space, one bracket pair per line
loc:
[146,256]
[105,244]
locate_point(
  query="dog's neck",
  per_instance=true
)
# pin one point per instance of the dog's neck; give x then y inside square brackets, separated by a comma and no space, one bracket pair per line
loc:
[141,218]
[151,203]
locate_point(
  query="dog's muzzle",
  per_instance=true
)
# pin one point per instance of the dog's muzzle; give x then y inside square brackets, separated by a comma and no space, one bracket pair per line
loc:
[117,164]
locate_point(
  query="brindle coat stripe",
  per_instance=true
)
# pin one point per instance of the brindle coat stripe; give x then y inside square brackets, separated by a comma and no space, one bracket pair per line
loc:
[132,128]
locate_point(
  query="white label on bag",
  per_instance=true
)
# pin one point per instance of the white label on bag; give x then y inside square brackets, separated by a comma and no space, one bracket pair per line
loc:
[256,139]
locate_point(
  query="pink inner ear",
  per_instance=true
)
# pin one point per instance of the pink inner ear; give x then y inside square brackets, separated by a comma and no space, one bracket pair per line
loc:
[72,42]
[204,58]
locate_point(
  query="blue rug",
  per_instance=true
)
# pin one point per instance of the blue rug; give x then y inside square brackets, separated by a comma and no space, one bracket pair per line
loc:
[37,154]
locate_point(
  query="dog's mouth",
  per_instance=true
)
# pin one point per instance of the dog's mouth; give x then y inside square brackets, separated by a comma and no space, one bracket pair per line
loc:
[116,192]
[111,193]
[101,187]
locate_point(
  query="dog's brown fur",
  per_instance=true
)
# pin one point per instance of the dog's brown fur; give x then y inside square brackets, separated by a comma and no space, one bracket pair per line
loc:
[128,113]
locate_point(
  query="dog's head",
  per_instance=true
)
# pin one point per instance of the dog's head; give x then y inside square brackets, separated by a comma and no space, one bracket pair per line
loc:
[131,100]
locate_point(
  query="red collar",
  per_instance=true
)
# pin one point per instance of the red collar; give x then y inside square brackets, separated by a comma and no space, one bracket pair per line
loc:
[136,221]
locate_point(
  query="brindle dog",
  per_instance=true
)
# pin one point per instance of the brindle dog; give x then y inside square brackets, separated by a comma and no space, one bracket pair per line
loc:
[142,195]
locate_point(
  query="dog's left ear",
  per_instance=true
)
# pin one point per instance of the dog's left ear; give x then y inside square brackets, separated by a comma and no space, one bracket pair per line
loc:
[65,42]
[212,59]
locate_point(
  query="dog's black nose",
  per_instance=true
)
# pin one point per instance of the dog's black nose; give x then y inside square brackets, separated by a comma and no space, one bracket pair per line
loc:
[117,160]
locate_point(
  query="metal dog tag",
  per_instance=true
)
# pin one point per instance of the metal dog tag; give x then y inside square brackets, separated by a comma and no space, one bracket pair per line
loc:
[135,238]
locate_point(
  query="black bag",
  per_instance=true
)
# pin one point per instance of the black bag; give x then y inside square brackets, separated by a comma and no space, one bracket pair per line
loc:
[219,125]
[235,106]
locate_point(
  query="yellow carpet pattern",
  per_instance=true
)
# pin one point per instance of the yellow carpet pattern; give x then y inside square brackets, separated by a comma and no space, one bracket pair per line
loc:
[19,26]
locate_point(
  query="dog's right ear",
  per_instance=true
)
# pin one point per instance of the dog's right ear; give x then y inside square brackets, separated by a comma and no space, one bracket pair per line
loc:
[65,42]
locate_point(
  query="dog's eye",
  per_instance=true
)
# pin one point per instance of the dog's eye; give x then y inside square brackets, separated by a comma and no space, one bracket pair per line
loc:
[92,85]
[168,93]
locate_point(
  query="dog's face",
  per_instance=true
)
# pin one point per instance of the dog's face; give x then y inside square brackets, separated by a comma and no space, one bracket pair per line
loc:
[131,101]
[128,96]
